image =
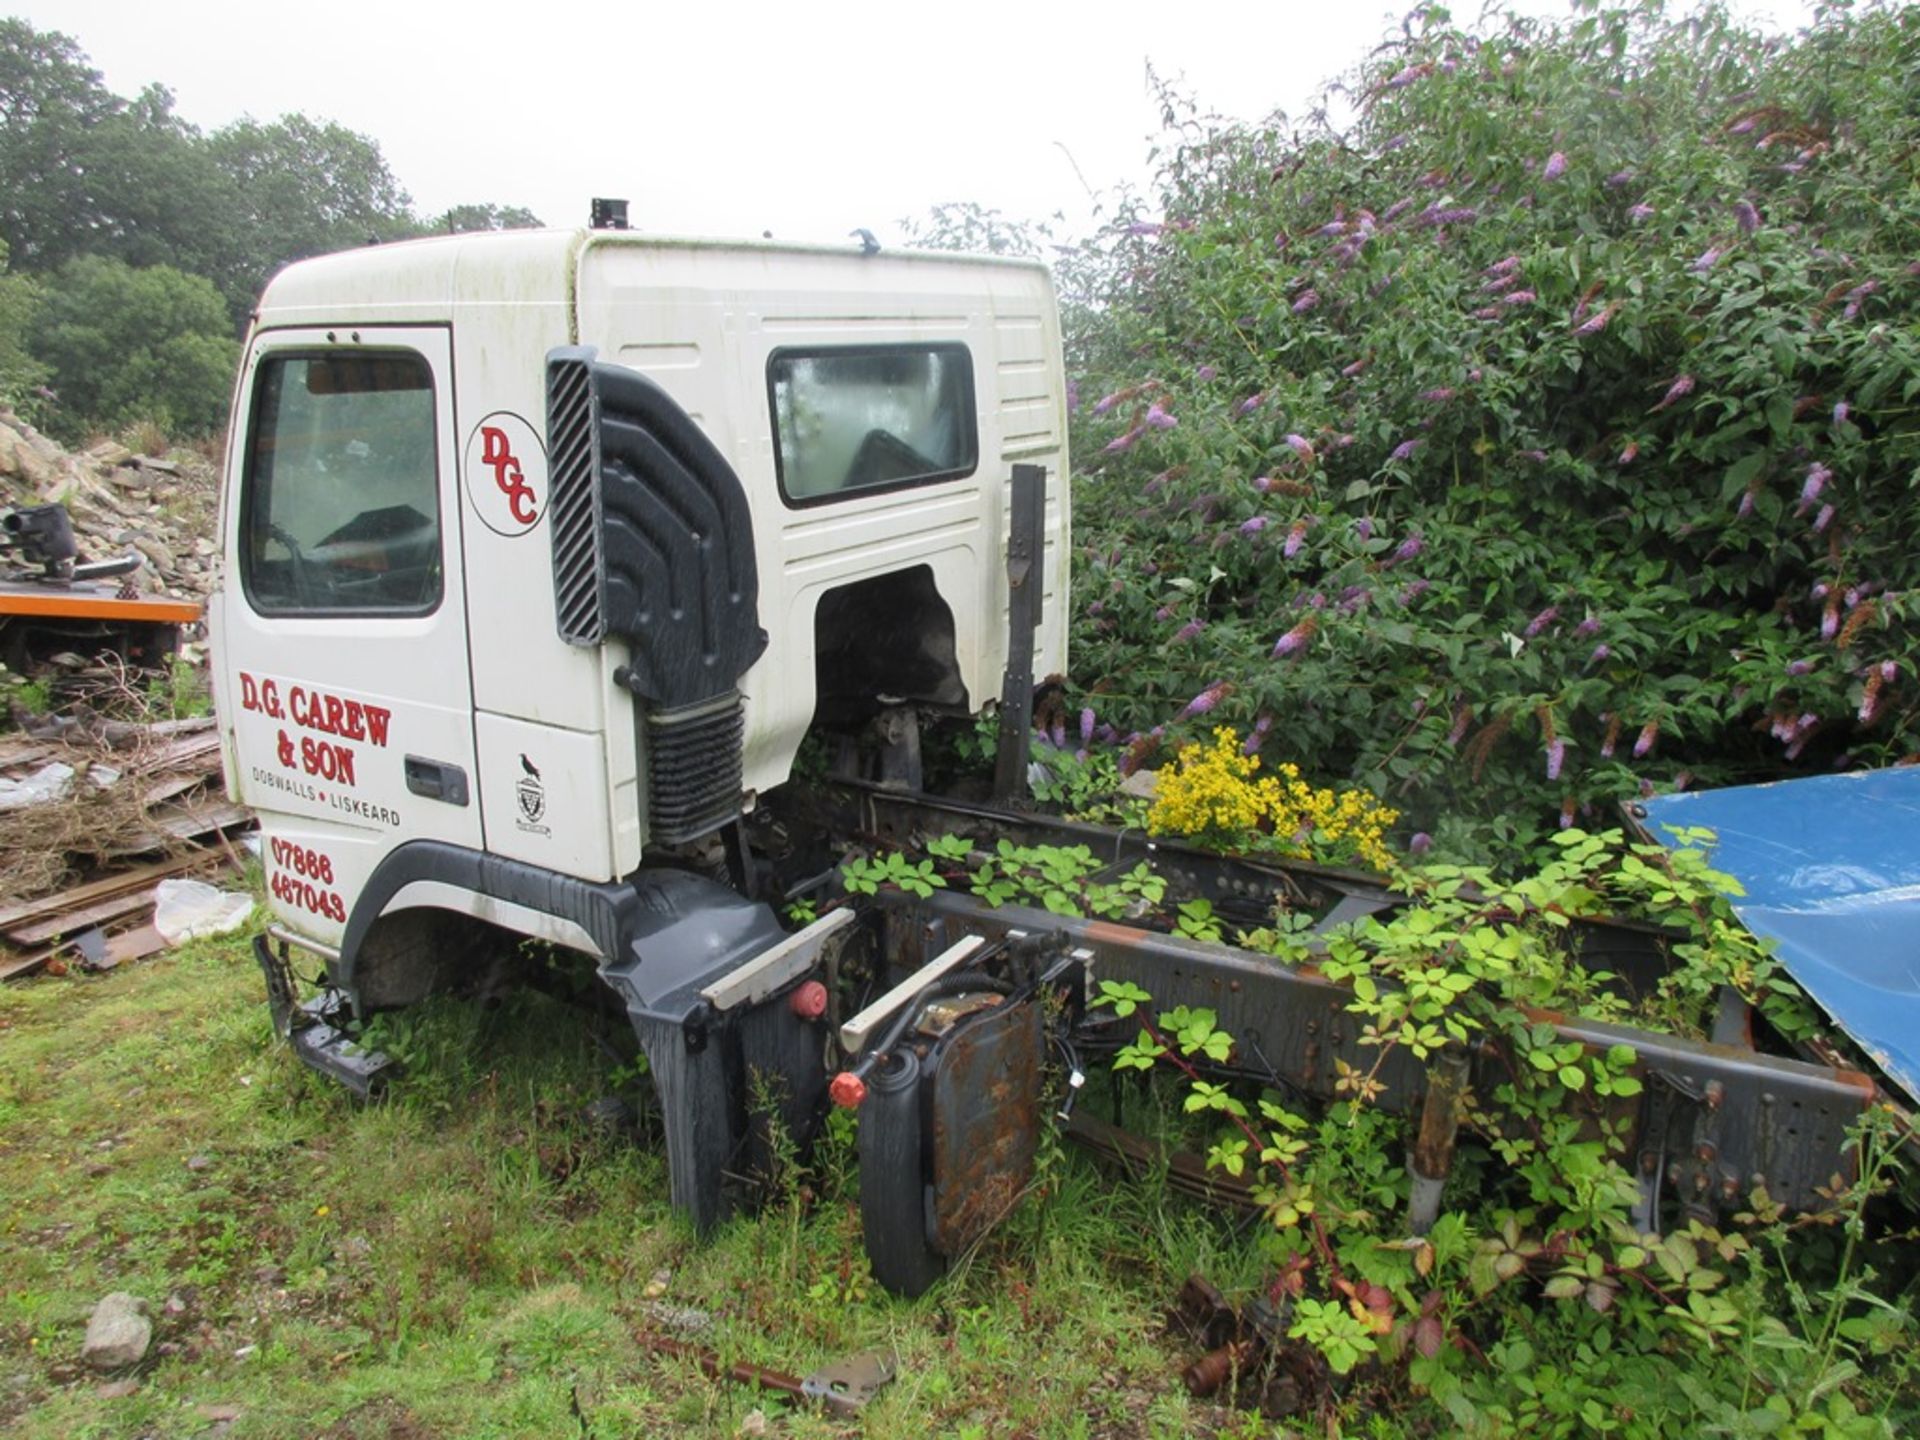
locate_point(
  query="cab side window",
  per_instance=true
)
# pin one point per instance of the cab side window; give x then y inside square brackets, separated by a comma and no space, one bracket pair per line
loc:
[871,417]
[340,505]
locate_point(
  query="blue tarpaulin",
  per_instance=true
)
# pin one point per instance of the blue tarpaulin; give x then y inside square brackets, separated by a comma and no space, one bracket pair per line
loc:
[1831,867]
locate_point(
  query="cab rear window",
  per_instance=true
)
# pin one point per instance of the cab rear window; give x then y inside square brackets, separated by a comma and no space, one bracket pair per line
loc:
[853,419]
[340,511]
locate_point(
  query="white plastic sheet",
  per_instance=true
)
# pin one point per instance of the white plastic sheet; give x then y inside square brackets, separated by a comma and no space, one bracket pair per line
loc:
[188,909]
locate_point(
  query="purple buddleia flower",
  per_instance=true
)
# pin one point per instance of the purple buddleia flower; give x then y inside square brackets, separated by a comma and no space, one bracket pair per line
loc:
[1462,718]
[1296,537]
[1363,528]
[1649,733]
[1681,387]
[1707,259]
[1588,626]
[1799,667]
[1748,217]
[1619,178]
[1332,228]
[1413,590]
[1106,403]
[1255,525]
[1397,142]
[1503,267]
[1394,211]
[1889,671]
[1300,446]
[1145,227]
[1640,213]
[1165,612]
[1857,296]
[1308,299]
[1350,371]
[1538,457]
[1517,297]
[1263,483]
[1630,453]
[1438,395]
[1086,725]
[1411,546]
[1257,735]
[1123,443]
[1488,312]
[1501,282]
[1555,167]
[1057,735]
[1158,419]
[1073,396]
[1601,653]
[1188,631]
[1745,507]
[1594,324]
[1829,623]
[1405,450]
[1841,411]
[1294,640]
[1400,79]
[1742,126]
[1249,405]
[1341,441]
[1202,703]
[1823,519]
[1541,621]
[1556,757]
[1817,477]
[1420,843]
[1206,372]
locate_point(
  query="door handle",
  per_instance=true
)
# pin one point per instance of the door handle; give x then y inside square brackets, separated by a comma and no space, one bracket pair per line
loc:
[436,780]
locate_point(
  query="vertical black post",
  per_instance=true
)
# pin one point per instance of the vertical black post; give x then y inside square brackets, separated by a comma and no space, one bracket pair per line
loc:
[1026,543]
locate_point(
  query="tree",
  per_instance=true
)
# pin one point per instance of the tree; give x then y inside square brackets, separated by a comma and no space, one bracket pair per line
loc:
[464,218]
[21,376]
[126,344]
[305,187]
[52,108]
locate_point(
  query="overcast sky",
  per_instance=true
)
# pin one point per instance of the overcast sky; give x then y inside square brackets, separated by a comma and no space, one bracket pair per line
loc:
[805,119]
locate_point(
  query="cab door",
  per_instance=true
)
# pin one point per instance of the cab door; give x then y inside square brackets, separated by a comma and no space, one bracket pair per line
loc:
[342,634]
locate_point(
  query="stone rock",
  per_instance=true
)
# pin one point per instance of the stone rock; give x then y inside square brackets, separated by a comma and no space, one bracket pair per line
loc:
[116,1389]
[118,1333]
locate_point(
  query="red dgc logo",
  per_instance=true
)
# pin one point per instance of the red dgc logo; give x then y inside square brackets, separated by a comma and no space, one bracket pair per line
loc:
[506,473]
[496,451]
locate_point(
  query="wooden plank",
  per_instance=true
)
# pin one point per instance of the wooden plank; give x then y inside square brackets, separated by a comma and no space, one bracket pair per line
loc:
[177,753]
[46,906]
[25,965]
[116,907]
[171,787]
[134,945]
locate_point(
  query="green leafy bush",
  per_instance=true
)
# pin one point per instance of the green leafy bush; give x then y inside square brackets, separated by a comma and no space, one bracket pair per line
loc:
[127,345]
[1544,437]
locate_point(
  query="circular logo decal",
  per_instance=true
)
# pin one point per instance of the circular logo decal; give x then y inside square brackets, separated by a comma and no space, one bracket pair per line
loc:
[506,474]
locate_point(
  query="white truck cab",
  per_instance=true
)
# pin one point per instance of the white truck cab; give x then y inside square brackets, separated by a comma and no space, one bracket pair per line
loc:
[544,550]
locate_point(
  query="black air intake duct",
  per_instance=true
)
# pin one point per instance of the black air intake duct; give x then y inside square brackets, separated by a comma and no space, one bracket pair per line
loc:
[653,545]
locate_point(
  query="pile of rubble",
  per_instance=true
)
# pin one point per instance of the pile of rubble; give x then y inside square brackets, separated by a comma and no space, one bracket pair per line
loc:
[162,506]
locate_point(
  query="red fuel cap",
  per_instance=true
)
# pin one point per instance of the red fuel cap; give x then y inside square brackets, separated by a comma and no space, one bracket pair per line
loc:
[847,1090]
[809,1001]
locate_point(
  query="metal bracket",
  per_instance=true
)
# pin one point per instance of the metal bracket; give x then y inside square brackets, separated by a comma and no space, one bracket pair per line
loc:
[843,1389]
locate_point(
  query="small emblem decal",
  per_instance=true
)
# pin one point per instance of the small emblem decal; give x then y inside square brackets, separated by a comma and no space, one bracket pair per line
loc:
[532,798]
[506,473]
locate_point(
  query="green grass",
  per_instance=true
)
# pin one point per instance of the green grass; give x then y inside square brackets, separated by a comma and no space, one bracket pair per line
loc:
[471,1258]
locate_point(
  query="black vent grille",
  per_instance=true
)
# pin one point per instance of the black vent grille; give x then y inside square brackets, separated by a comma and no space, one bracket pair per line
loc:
[693,769]
[573,443]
